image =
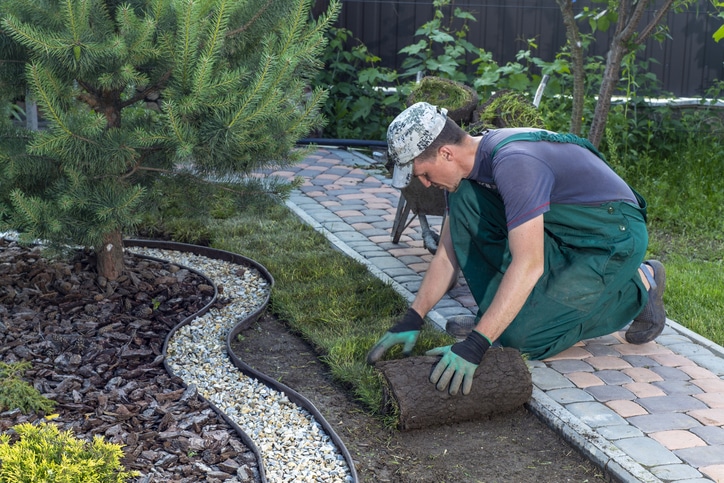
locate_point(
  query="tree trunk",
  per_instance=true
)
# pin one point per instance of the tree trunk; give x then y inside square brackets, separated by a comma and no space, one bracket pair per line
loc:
[502,383]
[110,256]
[608,84]
[574,40]
[630,14]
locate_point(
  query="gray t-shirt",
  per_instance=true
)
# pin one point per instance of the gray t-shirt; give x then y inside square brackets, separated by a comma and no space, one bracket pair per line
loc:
[532,175]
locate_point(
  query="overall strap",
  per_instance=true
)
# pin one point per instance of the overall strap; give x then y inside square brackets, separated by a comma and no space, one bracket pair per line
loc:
[551,138]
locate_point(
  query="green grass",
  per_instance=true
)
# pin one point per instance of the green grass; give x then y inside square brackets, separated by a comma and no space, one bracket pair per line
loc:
[342,309]
[695,295]
[333,301]
[685,194]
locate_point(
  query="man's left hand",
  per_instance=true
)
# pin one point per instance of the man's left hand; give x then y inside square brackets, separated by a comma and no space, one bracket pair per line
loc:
[459,362]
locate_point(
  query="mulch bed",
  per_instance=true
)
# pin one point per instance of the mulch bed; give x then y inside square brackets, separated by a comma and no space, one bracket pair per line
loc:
[96,349]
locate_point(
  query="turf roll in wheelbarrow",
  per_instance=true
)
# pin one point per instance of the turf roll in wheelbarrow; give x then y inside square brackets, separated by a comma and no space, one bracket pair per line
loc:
[502,384]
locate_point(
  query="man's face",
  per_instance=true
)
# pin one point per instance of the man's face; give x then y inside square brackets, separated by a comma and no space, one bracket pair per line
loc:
[438,172]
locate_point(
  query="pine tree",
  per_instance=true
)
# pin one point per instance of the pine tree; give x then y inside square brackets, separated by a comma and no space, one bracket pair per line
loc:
[229,78]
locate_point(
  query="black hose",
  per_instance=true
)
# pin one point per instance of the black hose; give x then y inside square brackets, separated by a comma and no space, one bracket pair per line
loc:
[347,143]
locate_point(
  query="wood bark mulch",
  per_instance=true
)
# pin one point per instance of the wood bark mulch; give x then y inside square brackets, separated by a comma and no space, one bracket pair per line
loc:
[95,347]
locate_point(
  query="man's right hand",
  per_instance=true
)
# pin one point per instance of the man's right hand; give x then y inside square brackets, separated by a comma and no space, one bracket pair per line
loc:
[404,332]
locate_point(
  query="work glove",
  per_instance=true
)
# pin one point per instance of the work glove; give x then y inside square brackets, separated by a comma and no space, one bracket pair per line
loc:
[404,332]
[458,363]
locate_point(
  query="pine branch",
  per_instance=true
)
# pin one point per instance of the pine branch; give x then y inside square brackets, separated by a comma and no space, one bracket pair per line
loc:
[28,36]
[48,102]
[295,26]
[72,21]
[251,21]
[159,85]
[188,42]
[310,108]
[260,81]
[220,22]
[179,130]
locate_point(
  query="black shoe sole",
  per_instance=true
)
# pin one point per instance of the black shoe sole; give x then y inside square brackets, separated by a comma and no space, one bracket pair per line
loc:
[648,325]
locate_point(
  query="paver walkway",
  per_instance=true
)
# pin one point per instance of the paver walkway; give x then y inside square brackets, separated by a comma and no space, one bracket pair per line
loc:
[650,413]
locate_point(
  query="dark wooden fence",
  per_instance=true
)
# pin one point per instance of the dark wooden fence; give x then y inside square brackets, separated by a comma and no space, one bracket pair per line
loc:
[687,64]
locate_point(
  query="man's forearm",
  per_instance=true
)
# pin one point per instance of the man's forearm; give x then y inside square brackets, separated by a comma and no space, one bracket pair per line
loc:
[514,289]
[434,286]
[439,276]
[526,267]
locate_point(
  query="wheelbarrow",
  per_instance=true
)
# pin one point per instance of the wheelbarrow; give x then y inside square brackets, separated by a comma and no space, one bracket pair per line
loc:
[422,202]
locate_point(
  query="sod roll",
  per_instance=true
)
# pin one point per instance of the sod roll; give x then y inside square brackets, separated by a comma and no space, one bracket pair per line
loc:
[501,384]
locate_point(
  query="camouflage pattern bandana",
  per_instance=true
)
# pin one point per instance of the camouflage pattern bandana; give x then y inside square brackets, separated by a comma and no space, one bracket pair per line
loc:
[409,134]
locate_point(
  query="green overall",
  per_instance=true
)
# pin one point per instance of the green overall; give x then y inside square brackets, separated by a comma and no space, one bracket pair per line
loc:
[590,285]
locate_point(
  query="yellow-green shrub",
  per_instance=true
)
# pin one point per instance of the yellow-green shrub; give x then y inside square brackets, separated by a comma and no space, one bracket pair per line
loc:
[16,393]
[44,453]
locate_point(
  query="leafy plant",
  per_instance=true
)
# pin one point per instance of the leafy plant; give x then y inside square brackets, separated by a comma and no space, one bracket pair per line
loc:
[363,97]
[44,453]
[719,34]
[16,393]
[517,76]
[443,48]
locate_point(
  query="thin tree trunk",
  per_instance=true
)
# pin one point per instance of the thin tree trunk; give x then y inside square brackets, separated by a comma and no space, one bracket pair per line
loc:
[608,84]
[574,40]
[110,256]
[629,15]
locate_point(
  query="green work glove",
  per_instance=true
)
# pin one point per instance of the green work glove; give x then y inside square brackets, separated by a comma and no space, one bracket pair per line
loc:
[404,332]
[458,363]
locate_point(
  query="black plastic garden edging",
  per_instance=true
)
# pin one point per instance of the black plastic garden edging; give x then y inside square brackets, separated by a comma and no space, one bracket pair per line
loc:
[291,394]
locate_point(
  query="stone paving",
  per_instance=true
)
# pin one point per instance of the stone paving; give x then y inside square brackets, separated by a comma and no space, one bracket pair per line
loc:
[651,412]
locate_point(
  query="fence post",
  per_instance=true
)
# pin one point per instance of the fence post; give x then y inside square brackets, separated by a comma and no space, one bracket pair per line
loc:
[31,112]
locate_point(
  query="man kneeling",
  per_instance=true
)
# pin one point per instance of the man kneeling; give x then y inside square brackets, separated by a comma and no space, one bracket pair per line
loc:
[550,239]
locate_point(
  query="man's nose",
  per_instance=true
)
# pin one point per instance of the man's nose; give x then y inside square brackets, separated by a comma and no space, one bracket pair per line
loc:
[425,182]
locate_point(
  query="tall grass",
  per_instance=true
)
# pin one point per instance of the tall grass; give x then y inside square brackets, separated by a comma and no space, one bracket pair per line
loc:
[685,193]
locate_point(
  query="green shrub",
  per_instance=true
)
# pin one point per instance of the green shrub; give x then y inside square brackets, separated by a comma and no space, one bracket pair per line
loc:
[357,106]
[443,47]
[16,393]
[44,453]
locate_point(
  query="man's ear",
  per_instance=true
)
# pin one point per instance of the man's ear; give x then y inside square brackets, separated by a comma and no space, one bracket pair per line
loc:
[445,152]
